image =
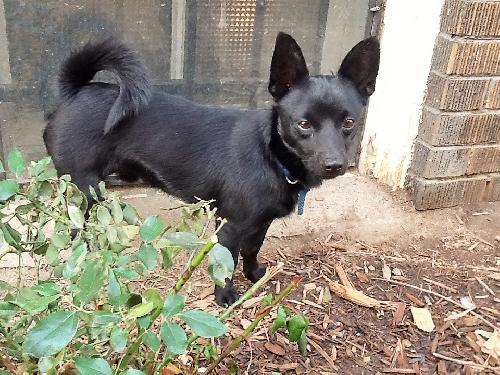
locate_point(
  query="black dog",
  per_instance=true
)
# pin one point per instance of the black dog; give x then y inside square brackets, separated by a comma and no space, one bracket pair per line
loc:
[255,164]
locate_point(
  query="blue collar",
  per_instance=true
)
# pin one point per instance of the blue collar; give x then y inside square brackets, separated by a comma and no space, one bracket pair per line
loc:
[301,198]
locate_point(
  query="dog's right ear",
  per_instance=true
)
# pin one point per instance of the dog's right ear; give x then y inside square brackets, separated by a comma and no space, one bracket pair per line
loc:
[288,66]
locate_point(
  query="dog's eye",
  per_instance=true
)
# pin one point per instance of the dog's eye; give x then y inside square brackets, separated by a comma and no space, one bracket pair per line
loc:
[348,124]
[304,125]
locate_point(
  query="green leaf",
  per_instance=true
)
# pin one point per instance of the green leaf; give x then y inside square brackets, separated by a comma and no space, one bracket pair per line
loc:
[7,310]
[296,325]
[60,240]
[130,215]
[32,302]
[210,352]
[8,188]
[15,161]
[152,295]
[45,364]
[118,339]
[173,305]
[220,264]
[91,281]
[24,209]
[103,318]
[303,343]
[3,284]
[174,338]
[52,255]
[151,228]
[140,310]
[51,334]
[148,256]
[112,234]
[116,298]
[11,235]
[280,319]
[184,240]
[103,216]
[116,211]
[132,371]
[72,265]
[267,300]
[47,289]
[126,273]
[76,216]
[93,366]
[168,256]
[151,341]
[40,166]
[144,321]
[203,324]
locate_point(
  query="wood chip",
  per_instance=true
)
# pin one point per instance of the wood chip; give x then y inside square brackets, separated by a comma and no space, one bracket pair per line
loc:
[417,301]
[395,370]
[344,279]
[422,318]
[275,348]
[441,285]
[362,277]
[399,313]
[353,295]
[320,350]
[252,301]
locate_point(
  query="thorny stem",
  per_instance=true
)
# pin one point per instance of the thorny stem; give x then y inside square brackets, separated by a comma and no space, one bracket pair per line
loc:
[229,311]
[261,314]
[181,281]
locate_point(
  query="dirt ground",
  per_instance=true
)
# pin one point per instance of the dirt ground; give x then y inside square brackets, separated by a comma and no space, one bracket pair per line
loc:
[447,261]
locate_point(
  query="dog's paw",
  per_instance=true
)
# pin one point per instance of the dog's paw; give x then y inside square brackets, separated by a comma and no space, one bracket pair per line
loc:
[226,296]
[255,274]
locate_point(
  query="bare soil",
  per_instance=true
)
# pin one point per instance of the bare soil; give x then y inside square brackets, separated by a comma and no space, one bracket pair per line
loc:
[447,261]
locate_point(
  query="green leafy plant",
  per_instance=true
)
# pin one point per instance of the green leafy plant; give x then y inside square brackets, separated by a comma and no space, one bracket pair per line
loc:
[83,314]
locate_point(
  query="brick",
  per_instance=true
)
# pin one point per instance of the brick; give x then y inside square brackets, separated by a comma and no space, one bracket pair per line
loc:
[466,57]
[453,161]
[455,93]
[471,18]
[430,194]
[459,128]
[492,97]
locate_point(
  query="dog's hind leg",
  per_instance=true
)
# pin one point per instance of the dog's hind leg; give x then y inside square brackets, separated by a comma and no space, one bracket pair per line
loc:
[250,246]
[229,236]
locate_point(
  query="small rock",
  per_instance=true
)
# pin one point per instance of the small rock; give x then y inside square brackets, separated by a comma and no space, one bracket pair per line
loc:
[371,268]
[397,272]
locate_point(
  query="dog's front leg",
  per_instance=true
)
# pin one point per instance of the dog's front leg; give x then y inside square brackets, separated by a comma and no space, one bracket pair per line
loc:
[250,247]
[230,237]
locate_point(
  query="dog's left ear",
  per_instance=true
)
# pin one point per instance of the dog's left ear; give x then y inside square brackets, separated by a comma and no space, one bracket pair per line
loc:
[288,66]
[360,66]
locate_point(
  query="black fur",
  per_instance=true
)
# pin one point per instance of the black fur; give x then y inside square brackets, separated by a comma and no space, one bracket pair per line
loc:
[189,150]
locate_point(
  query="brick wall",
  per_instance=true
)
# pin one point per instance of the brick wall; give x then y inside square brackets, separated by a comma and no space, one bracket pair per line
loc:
[457,153]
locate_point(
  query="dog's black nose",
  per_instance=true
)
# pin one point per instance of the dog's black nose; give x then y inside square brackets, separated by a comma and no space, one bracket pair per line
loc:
[333,166]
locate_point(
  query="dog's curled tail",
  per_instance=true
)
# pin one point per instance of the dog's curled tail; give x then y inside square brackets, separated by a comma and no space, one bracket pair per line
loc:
[110,55]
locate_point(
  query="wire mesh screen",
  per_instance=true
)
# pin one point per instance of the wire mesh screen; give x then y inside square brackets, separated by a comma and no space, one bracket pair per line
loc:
[212,51]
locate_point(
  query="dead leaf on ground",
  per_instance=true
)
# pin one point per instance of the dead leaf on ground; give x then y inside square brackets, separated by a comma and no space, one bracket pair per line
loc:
[492,345]
[275,348]
[399,313]
[362,277]
[422,318]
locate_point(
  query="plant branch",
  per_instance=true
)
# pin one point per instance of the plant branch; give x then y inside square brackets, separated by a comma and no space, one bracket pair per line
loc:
[229,311]
[261,314]
[181,281]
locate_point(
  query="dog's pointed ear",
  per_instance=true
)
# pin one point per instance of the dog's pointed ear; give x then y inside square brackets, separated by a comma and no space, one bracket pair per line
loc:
[288,66]
[361,64]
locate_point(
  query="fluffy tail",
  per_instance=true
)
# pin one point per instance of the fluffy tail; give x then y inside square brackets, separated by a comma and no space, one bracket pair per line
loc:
[135,87]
